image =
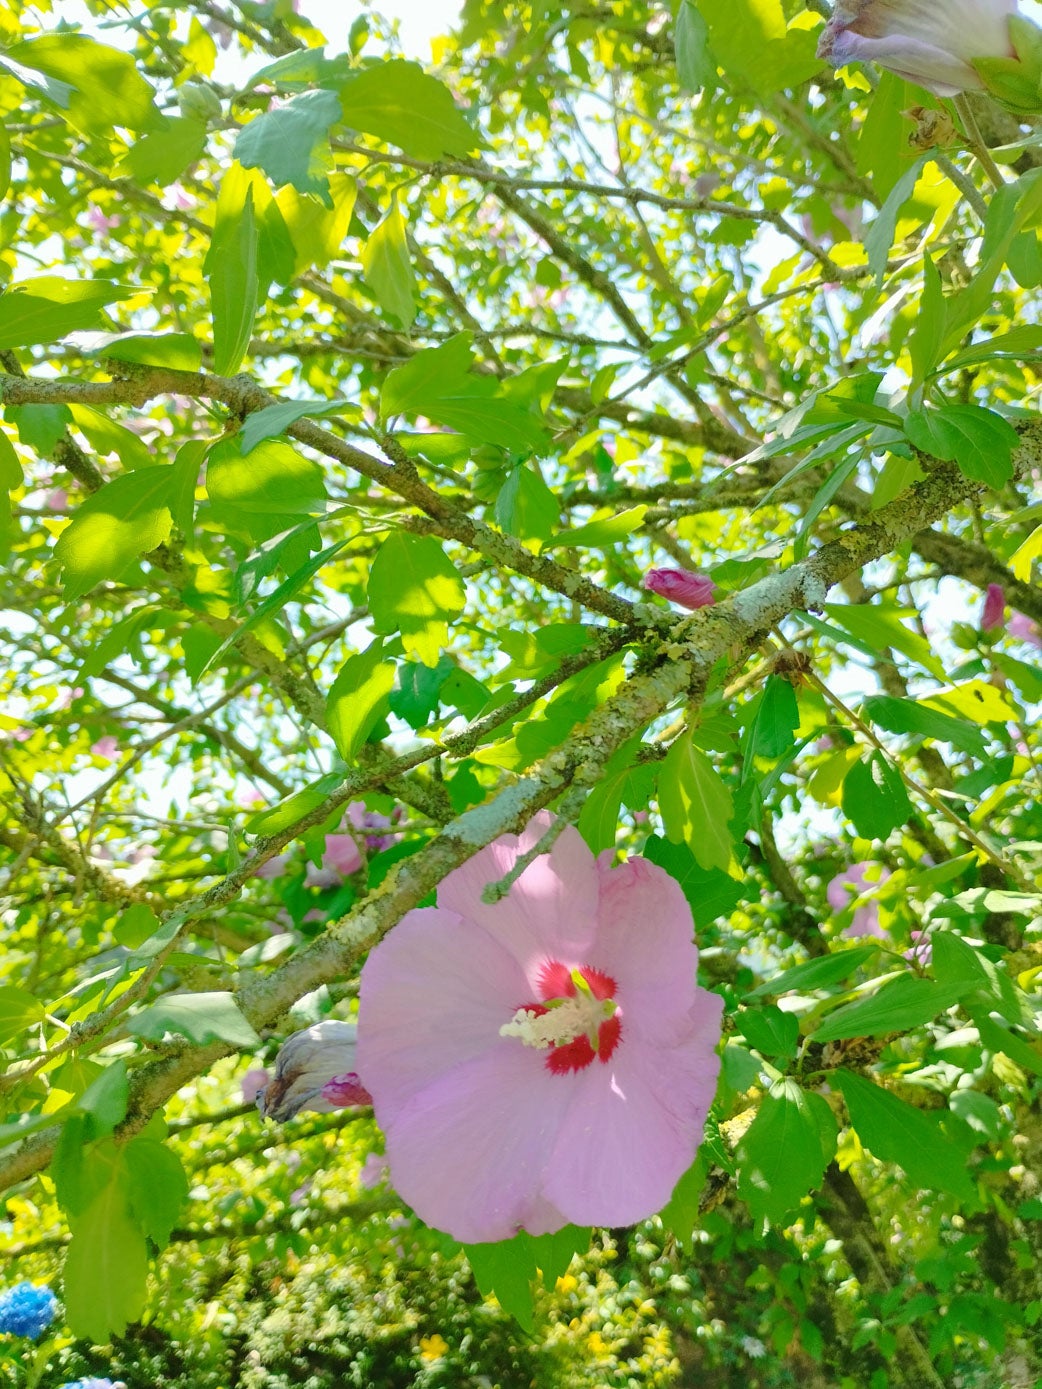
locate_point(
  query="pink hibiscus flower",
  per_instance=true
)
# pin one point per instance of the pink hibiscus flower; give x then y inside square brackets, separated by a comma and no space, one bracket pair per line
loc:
[544,1060]
[847,886]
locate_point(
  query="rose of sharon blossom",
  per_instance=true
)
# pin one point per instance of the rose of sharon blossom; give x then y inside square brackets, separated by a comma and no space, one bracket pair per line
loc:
[1023,628]
[849,884]
[315,1069]
[994,608]
[681,586]
[544,1060]
[930,42]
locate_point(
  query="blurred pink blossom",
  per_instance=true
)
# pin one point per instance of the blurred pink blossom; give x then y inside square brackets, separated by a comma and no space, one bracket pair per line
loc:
[1023,628]
[273,867]
[58,500]
[106,747]
[98,222]
[373,1171]
[848,885]
[584,1105]
[920,952]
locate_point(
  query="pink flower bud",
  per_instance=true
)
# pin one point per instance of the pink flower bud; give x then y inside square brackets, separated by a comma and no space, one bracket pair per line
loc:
[314,1070]
[994,608]
[682,587]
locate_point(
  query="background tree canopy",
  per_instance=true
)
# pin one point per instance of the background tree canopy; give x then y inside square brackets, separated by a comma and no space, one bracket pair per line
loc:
[347,403]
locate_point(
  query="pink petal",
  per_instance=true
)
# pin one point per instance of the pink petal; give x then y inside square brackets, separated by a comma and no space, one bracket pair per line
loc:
[434,994]
[633,1127]
[549,913]
[646,942]
[469,1152]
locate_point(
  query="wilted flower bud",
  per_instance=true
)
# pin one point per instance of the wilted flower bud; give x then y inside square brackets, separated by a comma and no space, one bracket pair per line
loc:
[314,1070]
[930,42]
[994,608]
[681,586]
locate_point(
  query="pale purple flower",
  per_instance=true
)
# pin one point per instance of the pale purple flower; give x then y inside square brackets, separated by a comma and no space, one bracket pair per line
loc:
[847,886]
[920,952]
[253,1082]
[340,858]
[98,222]
[363,819]
[58,500]
[273,867]
[315,1069]
[994,608]
[106,747]
[1023,628]
[930,42]
[544,1060]
[681,586]
[298,1197]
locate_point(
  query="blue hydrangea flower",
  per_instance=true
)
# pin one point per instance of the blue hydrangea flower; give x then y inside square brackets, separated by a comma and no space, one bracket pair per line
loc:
[27,1310]
[94,1384]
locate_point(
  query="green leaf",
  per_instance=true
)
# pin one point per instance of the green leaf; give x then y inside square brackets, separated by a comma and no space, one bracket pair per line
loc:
[998,1038]
[770,1031]
[106,1267]
[605,533]
[104,1102]
[107,436]
[157,1187]
[49,308]
[276,419]
[880,235]
[287,812]
[398,102]
[360,698]
[291,142]
[202,1017]
[126,518]
[273,479]
[878,626]
[1019,344]
[135,925]
[5,161]
[927,339]
[783,1154]
[695,65]
[437,382]
[415,589]
[317,232]
[896,1006]
[906,716]
[696,806]
[526,506]
[750,39]
[980,441]
[178,351]
[388,267]
[507,1269]
[162,156]
[98,87]
[897,1132]
[777,718]
[816,974]
[880,151]
[18,1012]
[710,893]
[874,797]
[231,271]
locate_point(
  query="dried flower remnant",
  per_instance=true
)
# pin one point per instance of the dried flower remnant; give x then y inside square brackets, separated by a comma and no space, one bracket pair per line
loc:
[315,1069]
[681,586]
[930,42]
[544,1060]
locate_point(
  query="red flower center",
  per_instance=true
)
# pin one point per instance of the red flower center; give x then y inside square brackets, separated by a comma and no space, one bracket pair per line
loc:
[576,1018]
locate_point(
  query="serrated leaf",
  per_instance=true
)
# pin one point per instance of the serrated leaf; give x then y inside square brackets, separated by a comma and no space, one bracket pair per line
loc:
[777,718]
[816,974]
[360,697]
[162,156]
[104,87]
[710,893]
[604,533]
[104,1102]
[696,806]
[980,441]
[273,479]
[876,626]
[276,419]
[157,1187]
[231,271]
[106,1267]
[49,308]
[907,716]
[178,351]
[287,812]
[126,518]
[291,142]
[19,1011]
[526,506]
[415,589]
[770,1031]
[388,267]
[898,1132]
[898,1005]
[874,797]
[400,103]
[202,1017]
[135,925]
[783,1154]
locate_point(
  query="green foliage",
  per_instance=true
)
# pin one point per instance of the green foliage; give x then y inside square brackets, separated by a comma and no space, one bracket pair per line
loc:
[415,589]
